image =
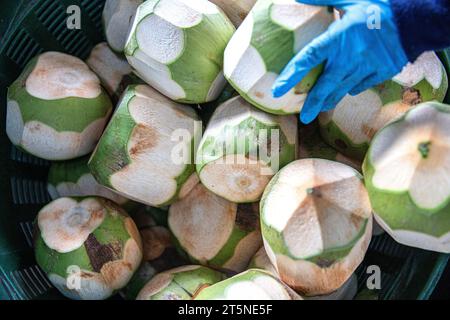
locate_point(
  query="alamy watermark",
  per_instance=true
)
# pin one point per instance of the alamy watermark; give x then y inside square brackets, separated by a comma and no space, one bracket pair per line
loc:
[373,17]
[73,21]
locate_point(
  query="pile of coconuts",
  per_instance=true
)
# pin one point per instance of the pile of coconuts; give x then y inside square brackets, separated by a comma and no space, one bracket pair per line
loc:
[176,175]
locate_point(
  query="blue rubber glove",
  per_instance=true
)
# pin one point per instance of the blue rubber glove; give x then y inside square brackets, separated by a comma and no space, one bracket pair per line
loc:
[356,57]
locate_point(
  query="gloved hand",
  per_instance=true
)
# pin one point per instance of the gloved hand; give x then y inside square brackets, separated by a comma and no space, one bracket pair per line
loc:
[356,57]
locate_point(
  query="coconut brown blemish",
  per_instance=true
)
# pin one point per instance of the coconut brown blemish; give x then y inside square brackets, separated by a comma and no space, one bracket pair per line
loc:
[100,254]
[411,96]
[145,138]
[247,216]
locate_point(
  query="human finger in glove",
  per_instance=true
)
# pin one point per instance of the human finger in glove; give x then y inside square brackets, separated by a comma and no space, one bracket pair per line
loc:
[359,54]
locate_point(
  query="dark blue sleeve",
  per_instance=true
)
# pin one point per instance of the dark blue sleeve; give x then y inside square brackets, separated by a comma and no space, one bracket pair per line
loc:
[423,25]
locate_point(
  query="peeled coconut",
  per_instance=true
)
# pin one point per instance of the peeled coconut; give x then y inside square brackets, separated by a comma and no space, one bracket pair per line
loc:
[159,253]
[351,126]
[113,70]
[137,155]
[407,175]
[183,283]
[117,18]
[270,36]
[214,231]
[45,103]
[236,10]
[73,179]
[311,145]
[346,292]
[88,247]
[252,284]
[242,148]
[177,47]
[316,223]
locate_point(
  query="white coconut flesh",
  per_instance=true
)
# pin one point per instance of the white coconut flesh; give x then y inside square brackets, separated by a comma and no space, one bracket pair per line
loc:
[57,75]
[426,67]
[259,288]
[416,239]
[236,178]
[86,185]
[239,177]
[150,148]
[346,292]
[161,281]
[203,222]
[45,142]
[65,224]
[365,109]
[156,285]
[118,273]
[400,165]
[250,285]
[361,116]
[118,16]
[236,10]
[246,69]
[91,286]
[317,205]
[108,66]
[157,50]
[158,75]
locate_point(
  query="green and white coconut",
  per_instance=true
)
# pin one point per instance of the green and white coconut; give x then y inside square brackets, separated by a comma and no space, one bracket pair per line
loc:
[117,19]
[242,148]
[311,145]
[89,247]
[147,151]
[346,292]
[272,33]
[56,109]
[407,175]
[159,253]
[351,126]
[183,283]
[73,179]
[236,10]
[316,223]
[113,70]
[177,47]
[252,284]
[214,231]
